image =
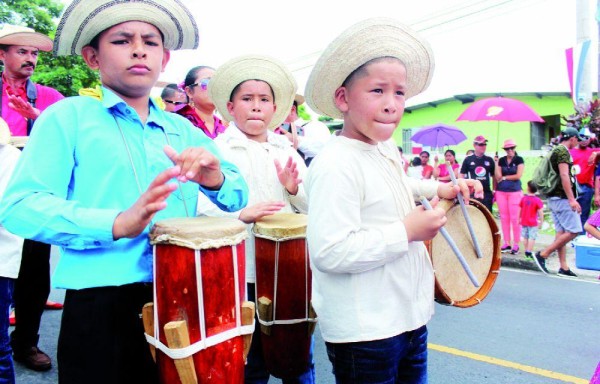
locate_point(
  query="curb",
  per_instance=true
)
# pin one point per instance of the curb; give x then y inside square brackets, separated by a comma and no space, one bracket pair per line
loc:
[512,262]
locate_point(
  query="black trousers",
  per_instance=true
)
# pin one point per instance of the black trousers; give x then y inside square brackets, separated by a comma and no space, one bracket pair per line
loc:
[102,336]
[32,288]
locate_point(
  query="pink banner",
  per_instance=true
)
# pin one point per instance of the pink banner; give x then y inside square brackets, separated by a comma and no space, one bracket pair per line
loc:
[569,56]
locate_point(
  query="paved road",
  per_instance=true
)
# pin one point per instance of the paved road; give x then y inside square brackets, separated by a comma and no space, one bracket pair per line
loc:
[531,322]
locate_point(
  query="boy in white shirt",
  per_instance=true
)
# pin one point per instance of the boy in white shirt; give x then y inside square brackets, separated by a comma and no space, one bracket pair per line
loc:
[255,93]
[373,282]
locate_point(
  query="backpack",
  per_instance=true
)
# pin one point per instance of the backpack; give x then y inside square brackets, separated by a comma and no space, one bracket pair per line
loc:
[545,177]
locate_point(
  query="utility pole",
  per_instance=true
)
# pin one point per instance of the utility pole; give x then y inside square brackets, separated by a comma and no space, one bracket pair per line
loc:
[586,30]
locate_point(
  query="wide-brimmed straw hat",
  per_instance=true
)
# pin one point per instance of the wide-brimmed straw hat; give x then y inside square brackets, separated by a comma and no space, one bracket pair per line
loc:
[509,143]
[254,67]
[85,19]
[18,35]
[299,99]
[367,40]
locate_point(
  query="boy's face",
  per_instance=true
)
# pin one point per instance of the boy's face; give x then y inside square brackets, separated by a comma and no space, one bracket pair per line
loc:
[130,57]
[252,109]
[373,104]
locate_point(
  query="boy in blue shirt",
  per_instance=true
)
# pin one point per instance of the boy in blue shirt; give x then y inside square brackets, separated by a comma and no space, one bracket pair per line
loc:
[96,173]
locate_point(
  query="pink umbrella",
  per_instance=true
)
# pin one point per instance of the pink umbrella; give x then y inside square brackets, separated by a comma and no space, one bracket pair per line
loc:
[499,109]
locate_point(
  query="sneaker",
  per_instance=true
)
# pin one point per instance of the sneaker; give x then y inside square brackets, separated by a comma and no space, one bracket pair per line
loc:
[528,255]
[566,273]
[515,250]
[540,262]
[33,358]
[505,248]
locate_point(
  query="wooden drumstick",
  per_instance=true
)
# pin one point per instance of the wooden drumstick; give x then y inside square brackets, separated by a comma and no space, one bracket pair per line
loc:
[461,201]
[452,245]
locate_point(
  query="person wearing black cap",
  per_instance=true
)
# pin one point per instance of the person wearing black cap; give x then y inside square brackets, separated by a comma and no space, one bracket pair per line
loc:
[563,204]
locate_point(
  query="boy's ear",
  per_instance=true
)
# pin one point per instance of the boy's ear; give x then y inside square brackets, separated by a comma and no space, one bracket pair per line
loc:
[90,56]
[165,60]
[340,99]
[230,107]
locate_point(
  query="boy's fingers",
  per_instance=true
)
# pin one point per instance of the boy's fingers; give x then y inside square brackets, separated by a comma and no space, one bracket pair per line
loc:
[171,153]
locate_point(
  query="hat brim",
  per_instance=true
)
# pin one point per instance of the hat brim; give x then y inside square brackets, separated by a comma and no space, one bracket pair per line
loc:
[299,99]
[28,39]
[254,67]
[363,42]
[84,19]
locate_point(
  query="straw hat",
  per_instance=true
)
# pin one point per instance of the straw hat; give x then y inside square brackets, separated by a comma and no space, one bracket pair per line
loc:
[509,143]
[299,99]
[18,35]
[85,19]
[365,41]
[254,67]
[4,132]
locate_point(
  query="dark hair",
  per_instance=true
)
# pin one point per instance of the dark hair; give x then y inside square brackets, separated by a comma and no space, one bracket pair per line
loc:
[95,42]
[170,90]
[416,161]
[400,149]
[422,152]
[362,70]
[532,186]
[237,88]
[190,78]
[4,47]
[451,152]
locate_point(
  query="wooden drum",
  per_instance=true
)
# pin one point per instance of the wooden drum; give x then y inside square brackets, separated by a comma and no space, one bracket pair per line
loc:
[283,291]
[198,314]
[452,284]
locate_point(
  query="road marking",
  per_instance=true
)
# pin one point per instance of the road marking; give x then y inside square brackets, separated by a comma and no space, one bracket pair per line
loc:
[508,364]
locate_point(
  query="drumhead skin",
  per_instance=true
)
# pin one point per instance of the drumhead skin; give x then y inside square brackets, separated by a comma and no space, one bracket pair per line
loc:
[282,226]
[453,286]
[199,232]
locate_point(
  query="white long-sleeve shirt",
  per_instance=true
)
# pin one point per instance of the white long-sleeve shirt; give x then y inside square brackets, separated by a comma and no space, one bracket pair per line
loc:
[256,164]
[369,282]
[11,246]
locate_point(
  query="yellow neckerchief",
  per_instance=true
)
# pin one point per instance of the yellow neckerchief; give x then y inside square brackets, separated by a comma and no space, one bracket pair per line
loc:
[96,93]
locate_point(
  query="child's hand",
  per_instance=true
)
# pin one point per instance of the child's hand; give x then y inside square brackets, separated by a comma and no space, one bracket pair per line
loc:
[131,223]
[465,186]
[253,213]
[198,165]
[422,224]
[288,175]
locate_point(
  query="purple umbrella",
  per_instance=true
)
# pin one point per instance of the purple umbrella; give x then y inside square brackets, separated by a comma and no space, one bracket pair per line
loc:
[439,135]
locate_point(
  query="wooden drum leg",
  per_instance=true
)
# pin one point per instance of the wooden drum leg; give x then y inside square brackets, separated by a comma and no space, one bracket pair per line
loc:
[177,336]
[265,311]
[248,309]
[313,315]
[148,320]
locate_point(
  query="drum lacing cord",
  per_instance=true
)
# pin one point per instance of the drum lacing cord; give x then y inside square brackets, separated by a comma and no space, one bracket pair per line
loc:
[204,342]
[275,281]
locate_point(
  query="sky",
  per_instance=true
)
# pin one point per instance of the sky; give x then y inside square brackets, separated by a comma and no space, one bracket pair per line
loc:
[479,45]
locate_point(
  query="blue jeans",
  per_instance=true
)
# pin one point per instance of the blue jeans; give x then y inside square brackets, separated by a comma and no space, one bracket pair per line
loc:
[586,194]
[7,370]
[255,371]
[398,359]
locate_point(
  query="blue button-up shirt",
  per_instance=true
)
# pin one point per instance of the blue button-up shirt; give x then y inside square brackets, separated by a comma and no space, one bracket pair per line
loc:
[78,172]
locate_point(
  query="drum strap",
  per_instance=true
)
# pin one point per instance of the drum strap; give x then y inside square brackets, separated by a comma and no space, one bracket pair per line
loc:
[204,342]
[275,282]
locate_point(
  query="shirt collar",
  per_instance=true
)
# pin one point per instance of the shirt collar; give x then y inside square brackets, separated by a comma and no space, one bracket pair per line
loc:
[156,116]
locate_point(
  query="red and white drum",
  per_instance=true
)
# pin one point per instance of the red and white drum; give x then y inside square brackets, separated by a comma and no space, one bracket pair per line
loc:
[283,291]
[199,277]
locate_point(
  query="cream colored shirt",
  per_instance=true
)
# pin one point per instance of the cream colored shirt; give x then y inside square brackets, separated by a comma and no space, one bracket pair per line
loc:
[256,163]
[369,282]
[11,246]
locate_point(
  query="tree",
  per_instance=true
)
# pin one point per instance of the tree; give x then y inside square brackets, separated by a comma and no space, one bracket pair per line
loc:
[67,74]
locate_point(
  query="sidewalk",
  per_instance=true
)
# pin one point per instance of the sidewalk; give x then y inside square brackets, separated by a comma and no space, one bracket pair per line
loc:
[518,261]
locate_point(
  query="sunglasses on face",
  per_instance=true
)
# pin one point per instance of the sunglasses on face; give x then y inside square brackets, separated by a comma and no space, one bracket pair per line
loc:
[510,148]
[202,83]
[174,102]
[481,144]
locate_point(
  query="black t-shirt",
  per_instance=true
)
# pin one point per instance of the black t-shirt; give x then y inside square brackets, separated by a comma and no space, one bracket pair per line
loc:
[479,168]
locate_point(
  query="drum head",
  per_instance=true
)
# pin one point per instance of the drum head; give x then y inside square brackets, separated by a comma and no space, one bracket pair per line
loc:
[199,232]
[282,226]
[450,276]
